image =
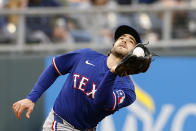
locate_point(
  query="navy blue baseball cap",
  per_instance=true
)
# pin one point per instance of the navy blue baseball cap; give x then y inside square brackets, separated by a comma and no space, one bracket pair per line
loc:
[124,29]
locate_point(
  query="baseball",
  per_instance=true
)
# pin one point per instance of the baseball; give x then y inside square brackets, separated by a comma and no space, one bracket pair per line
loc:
[138,51]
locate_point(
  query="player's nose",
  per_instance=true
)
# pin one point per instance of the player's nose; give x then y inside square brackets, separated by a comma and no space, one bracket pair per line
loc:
[124,41]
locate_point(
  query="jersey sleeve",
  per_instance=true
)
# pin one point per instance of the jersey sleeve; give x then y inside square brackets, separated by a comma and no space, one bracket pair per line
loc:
[65,63]
[104,91]
[114,94]
[45,80]
[122,98]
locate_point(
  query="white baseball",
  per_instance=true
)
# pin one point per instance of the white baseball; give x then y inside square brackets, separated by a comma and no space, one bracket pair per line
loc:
[138,51]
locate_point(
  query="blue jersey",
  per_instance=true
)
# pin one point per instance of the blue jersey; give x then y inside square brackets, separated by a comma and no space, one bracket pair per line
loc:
[91,92]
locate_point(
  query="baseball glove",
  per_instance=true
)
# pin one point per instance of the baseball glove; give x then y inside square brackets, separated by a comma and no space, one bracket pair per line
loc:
[132,64]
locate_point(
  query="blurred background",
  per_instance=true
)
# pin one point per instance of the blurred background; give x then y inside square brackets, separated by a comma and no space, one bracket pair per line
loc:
[32,31]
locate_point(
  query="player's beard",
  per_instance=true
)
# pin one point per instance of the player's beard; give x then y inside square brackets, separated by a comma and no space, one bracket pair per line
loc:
[118,53]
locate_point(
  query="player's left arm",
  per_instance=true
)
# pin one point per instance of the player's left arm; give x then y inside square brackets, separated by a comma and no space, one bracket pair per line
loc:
[110,97]
[121,98]
[104,90]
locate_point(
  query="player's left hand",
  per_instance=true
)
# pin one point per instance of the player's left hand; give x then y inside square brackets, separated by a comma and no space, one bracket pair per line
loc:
[20,106]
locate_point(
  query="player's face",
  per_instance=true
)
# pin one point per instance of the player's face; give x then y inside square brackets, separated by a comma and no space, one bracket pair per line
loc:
[123,45]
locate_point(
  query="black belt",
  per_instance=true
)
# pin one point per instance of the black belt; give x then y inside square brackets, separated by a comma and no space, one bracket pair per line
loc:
[60,120]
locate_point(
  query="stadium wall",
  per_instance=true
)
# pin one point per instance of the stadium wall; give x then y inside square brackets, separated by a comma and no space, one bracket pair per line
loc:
[165,95]
[17,76]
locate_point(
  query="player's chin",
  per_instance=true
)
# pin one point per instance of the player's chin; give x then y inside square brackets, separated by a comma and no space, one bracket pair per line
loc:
[123,51]
[119,52]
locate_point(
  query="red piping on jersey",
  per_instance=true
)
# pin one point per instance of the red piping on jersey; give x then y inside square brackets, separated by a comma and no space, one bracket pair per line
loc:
[53,125]
[114,101]
[53,62]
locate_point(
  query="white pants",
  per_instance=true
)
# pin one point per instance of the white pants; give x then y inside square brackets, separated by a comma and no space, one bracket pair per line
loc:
[51,125]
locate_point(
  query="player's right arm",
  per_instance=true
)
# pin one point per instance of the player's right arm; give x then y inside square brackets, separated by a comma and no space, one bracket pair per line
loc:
[45,80]
[61,65]
[24,104]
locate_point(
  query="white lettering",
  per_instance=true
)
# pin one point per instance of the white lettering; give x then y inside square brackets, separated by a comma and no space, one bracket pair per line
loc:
[75,79]
[93,91]
[139,112]
[130,123]
[107,124]
[163,117]
[143,115]
[181,116]
[83,82]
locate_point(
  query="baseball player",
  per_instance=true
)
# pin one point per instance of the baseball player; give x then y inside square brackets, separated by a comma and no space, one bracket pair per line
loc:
[92,89]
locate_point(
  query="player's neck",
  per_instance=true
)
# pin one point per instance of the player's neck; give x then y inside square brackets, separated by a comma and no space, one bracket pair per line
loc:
[112,61]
